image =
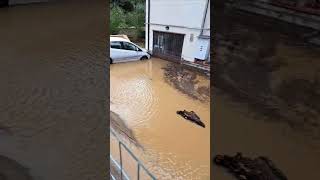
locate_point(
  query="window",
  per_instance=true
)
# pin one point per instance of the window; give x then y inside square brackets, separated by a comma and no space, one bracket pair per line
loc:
[116,45]
[129,46]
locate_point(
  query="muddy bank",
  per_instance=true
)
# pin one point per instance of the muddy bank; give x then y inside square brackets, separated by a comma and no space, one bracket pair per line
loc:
[119,125]
[187,82]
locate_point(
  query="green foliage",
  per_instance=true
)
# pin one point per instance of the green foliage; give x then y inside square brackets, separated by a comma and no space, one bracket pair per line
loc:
[117,20]
[123,16]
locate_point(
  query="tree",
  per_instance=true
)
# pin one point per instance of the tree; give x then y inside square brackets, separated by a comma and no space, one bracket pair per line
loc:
[127,14]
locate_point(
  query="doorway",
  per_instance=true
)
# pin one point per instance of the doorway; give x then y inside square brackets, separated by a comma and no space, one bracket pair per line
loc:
[167,45]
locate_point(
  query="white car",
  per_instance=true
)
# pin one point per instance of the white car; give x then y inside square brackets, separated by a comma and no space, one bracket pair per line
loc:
[123,50]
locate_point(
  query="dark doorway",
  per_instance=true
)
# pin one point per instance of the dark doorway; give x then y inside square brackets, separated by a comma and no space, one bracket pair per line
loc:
[4,3]
[167,45]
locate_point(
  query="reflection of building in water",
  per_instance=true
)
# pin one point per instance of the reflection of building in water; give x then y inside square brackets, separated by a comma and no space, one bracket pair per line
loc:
[301,12]
[178,30]
[150,69]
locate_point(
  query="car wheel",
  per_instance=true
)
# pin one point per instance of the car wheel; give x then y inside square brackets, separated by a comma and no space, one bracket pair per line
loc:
[144,58]
[111,61]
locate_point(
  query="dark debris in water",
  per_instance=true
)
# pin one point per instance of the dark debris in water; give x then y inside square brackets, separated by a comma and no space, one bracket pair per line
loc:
[191,116]
[244,168]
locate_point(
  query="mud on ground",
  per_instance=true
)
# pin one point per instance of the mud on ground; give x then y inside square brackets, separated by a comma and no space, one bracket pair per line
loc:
[187,81]
[121,128]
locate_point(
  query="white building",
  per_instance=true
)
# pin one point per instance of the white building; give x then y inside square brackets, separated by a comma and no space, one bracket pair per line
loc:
[178,29]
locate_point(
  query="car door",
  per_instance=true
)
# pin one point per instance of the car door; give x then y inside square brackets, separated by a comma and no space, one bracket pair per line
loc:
[131,52]
[140,53]
[116,51]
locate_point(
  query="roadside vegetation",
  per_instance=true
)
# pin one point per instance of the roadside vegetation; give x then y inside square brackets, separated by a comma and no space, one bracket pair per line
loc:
[128,17]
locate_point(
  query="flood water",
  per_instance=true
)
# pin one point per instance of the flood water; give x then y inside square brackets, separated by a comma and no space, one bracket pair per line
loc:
[52,105]
[267,96]
[240,131]
[146,97]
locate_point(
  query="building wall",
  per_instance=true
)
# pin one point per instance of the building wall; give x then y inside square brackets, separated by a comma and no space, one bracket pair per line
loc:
[170,12]
[183,17]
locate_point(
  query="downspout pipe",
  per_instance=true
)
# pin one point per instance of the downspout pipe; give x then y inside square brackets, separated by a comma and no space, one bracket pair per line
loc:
[148,25]
[204,17]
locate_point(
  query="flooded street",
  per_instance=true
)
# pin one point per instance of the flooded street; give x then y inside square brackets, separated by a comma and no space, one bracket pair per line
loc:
[242,131]
[52,105]
[267,95]
[146,95]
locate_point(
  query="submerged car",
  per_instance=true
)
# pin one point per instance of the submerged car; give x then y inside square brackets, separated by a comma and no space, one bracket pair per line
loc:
[123,50]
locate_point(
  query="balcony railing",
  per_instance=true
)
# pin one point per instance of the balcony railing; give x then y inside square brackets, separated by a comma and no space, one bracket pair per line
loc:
[122,174]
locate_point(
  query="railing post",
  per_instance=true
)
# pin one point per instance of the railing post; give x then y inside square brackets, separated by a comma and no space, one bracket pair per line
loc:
[138,175]
[140,165]
[120,160]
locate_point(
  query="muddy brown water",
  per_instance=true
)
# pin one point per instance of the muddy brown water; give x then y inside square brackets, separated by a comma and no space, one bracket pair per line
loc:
[146,97]
[52,95]
[266,96]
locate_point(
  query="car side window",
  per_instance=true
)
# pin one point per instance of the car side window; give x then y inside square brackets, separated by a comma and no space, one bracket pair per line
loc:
[116,45]
[138,49]
[129,46]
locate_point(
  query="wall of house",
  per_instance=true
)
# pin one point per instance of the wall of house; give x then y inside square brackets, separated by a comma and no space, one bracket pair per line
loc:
[183,17]
[170,12]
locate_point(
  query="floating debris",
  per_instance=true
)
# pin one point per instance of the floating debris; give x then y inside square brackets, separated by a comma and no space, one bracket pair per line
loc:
[191,116]
[244,168]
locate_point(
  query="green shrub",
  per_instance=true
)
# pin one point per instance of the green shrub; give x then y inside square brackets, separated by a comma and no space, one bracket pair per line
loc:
[117,20]
[122,18]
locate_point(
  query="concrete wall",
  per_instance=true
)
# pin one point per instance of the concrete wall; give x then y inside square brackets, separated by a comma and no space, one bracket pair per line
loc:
[182,17]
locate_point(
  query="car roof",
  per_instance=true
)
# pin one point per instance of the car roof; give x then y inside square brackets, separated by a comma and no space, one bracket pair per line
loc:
[118,39]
